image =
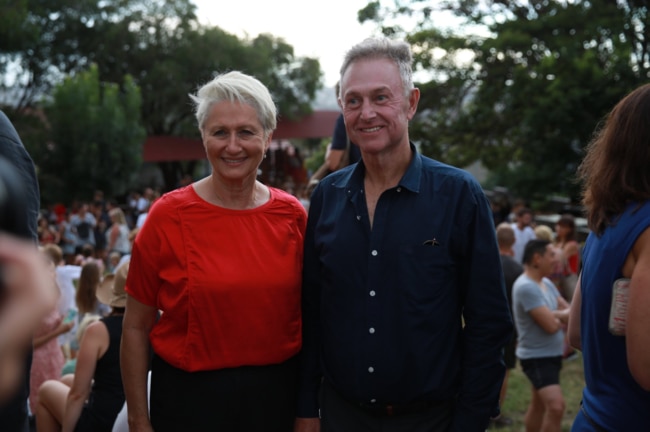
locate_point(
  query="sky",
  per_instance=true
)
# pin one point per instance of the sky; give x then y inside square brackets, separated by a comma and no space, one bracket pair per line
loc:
[321,29]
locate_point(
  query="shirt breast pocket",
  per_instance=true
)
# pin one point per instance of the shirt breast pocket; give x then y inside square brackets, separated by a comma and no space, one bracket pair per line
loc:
[428,272]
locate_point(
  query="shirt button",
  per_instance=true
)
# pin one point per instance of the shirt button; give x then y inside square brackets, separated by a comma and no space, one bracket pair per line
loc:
[373,400]
[372,293]
[371,369]
[399,189]
[358,217]
[371,330]
[373,253]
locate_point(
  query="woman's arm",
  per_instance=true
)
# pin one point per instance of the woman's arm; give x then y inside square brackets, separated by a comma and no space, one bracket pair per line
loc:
[134,360]
[574,318]
[94,344]
[59,330]
[638,319]
[570,248]
[114,233]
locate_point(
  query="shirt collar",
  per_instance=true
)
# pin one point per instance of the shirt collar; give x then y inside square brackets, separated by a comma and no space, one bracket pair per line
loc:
[410,180]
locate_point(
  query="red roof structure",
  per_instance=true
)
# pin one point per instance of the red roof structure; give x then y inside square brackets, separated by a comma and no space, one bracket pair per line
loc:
[319,124]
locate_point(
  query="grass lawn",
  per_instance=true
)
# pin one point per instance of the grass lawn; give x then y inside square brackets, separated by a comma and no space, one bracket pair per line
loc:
[518,396]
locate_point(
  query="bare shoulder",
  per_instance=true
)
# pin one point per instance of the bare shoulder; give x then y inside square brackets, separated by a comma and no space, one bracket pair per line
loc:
[640,254]
[96,333]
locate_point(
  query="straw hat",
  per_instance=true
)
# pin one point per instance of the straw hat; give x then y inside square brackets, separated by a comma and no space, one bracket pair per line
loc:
[111,289]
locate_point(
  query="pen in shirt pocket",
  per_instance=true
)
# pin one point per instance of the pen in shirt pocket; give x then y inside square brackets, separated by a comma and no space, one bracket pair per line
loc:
[432,242]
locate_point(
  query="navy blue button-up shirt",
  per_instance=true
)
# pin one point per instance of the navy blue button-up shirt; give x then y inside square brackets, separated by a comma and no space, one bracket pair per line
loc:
[412,309]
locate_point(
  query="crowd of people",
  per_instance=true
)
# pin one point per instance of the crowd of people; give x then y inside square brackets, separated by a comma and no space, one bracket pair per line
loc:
[101,228]
[393,303]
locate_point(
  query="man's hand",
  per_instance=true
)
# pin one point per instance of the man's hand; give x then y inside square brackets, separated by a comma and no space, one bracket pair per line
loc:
[306,425]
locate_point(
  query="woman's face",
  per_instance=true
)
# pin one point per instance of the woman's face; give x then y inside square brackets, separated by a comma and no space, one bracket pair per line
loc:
[234,140]
[561,230]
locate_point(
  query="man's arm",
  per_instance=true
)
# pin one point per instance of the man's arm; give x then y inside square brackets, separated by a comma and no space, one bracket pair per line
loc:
[310,372]
[488,323]
[546,319]
[12,149]
[333,158]
[338,146]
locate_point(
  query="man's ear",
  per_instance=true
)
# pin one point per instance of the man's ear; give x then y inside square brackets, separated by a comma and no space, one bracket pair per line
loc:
[413,99]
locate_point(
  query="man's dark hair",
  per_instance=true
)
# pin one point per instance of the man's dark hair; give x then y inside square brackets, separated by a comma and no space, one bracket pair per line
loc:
[524,210]
[533,247]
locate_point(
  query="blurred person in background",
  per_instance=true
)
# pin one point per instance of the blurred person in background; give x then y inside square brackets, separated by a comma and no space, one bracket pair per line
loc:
[569,254]
[47,234]
[90,400]
[117,236]
[544,232]
[48,358]
[65,277]
[86,297]
[84,223]
[524,232]
[511,271]
[540,315]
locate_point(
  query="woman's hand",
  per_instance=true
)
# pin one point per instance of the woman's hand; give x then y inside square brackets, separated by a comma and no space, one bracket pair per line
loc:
[64,327]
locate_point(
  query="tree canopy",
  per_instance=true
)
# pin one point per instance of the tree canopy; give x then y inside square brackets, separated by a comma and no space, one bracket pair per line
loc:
[519,85]
[159,43]
[95,139]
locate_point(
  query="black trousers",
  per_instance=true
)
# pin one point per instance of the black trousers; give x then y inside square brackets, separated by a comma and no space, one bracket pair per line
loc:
[242,399]
[340,415]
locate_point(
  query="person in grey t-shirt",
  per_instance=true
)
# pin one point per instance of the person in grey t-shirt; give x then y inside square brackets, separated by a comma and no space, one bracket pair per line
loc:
[540,315]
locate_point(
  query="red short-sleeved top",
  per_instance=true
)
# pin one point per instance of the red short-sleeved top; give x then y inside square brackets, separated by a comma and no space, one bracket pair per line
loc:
[227,281]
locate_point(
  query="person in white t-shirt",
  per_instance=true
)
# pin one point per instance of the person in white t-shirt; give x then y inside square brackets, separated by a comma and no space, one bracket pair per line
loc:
[523,232]
[66,274]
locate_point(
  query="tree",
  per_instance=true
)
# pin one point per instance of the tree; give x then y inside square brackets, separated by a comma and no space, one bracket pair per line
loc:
[521,85]
[160,44]
[96,138]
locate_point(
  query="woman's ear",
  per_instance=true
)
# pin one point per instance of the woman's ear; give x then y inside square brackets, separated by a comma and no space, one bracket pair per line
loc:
[267,144]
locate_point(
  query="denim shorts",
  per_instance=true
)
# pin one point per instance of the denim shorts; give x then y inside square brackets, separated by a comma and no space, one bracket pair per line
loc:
[543,371]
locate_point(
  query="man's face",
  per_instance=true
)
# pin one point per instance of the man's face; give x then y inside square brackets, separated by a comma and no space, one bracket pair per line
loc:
[525,219]
[375,108]
[547,261]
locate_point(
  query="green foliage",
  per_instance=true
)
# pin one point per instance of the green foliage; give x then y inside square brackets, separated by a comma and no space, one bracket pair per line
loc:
[95,138]
[520,86]
[317,158]
[158,42]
